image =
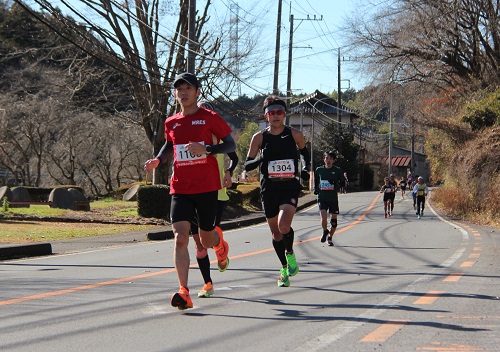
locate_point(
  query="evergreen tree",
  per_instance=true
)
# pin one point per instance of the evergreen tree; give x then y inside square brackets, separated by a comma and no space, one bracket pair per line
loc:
[342,143]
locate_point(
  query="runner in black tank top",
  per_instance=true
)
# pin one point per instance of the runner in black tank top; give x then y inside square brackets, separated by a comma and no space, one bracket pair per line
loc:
[278,146]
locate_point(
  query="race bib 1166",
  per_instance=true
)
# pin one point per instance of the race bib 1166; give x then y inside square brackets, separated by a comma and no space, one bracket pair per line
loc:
[184,158]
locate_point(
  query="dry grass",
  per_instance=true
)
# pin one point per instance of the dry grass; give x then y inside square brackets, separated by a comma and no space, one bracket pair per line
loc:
[470,172]
[481,210]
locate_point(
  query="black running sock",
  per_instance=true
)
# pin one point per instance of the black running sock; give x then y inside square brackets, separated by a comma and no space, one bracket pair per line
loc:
[288,238]
[279,247]
[204,264]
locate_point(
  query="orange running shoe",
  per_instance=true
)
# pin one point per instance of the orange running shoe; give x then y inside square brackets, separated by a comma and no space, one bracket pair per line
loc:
[207,290]
[181,299]
[221,251]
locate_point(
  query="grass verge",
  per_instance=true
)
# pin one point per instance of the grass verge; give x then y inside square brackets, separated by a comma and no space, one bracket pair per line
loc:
[33,231]
[28,231]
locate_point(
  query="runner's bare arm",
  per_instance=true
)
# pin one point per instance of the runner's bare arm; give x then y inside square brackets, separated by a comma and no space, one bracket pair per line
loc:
[252,163]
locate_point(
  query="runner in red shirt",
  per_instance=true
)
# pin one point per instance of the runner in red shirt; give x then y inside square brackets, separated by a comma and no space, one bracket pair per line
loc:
[193,136]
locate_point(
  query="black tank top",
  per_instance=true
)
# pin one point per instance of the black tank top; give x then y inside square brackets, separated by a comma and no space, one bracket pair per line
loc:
[279,153]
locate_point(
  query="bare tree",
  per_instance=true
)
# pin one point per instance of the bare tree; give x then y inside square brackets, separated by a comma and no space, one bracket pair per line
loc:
[65,147]
[26,126]
[131,37]
[443,43]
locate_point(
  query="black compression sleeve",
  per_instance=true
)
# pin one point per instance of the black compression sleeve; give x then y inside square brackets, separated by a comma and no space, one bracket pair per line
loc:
[252,163]
[316,181]
[224,148]
[233,162]
[165,151]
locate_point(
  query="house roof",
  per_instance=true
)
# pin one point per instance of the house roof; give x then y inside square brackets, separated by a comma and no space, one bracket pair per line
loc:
[402,161]
[319,102]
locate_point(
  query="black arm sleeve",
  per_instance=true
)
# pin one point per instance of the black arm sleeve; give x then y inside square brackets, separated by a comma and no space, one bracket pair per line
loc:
[307,157]
[233,162]
[316,183]
[252,163]
[165,152]
[224,148]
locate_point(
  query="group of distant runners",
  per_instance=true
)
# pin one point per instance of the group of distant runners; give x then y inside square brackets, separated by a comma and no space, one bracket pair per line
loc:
[417,186]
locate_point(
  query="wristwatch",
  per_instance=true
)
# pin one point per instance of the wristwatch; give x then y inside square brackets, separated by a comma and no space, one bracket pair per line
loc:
[208,149]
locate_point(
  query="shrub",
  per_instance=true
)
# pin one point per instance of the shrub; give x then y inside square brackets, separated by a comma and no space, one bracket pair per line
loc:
[235,198]
[5,204]
[153,201]
[484,113]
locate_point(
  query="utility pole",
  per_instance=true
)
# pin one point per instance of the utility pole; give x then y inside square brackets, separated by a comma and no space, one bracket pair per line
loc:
[339,99]
[290,47]
[277,51]
[191,36]
[339,104]
[412,155]
[289,75]
[233,43]
[390,133]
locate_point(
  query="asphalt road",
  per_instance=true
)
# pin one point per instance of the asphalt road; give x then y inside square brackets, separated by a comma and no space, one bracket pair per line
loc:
[397,284]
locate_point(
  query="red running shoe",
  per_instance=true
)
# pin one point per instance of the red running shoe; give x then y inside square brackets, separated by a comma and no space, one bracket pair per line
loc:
[221,251]
[181,299]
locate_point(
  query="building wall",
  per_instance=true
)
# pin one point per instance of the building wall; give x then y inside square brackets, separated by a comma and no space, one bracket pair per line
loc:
[422,167]
[305,120]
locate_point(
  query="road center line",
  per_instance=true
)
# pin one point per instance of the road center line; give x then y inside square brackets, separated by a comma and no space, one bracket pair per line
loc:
[384,331]
[453,277]
[429,298]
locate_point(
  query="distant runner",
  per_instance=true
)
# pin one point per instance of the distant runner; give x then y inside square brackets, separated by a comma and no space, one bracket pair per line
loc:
[402,185]
[421,191]
[326,185]
[387,189]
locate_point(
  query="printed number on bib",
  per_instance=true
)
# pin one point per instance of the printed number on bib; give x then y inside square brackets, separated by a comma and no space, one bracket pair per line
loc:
[281,168]
[388,190]
[184,158]
[325,185]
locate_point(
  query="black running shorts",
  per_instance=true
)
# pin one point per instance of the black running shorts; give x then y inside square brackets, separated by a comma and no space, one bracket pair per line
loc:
[184,207]
[332,207]
[271,201]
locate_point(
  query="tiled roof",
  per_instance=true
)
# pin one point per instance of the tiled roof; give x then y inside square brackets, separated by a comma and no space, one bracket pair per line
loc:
[318,102]
[398,160]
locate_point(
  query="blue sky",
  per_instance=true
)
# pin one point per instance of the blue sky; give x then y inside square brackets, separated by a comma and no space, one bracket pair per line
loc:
[315,43]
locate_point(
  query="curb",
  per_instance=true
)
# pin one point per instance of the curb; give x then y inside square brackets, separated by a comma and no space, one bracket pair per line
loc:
[160,235]
[27,250]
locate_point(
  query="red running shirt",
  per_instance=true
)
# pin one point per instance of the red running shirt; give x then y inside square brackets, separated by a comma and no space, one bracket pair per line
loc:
[195,173]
